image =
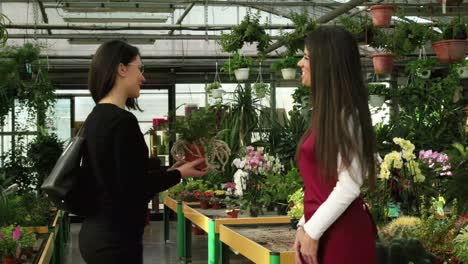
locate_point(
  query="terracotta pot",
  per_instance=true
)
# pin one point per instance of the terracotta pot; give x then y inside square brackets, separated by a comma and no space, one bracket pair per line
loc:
[450,51]
[383,63]
[192,154]
[382,15]
[204,204]
[9,261]
[216,206]
[232,214]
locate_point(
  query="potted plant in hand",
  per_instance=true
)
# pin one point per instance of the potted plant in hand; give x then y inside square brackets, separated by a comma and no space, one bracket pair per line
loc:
[452,44]
[287,66]
[239,65]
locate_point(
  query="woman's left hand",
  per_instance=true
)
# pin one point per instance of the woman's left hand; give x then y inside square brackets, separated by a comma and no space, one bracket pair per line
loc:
[309,248]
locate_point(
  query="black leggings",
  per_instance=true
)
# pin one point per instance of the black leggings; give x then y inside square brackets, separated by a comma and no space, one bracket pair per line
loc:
[100,243]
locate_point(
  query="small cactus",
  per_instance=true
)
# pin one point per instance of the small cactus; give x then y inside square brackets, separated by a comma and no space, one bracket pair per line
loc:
[404,227]
[403,251]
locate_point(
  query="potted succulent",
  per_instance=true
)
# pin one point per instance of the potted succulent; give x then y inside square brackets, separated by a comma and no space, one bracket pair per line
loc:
[452,45]
[377,94]
[239,65]
[382,15]
[287,66]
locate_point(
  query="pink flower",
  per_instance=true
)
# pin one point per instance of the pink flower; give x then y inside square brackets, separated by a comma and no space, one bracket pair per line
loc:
[16,233]
[260,150]
[250,149]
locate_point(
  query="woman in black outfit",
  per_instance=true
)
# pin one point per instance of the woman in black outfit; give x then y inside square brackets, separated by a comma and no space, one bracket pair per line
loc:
[122,177]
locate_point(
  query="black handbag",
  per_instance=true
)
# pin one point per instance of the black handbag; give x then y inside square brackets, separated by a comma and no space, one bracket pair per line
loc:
[62,184]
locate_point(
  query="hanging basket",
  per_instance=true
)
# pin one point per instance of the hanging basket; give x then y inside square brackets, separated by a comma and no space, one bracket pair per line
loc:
[423,73]
[289,73]
[463,72]
[217,93]
[450,51]
[242,74]
[383,63]
[382,15]
[376,100]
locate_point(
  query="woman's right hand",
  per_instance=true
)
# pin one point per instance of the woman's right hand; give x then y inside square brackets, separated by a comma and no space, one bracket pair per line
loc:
[188,169]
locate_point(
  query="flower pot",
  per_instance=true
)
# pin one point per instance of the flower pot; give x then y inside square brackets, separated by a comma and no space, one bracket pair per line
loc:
[383,63]
[282,208]
[233,213]
[253,212]
[449,51]
[217,93]
[423,73]
[376,100]
[463,72]
[9,261]
[204,204]
[193,152]
[242,74]
[288,73]
[382,15]
[190,108]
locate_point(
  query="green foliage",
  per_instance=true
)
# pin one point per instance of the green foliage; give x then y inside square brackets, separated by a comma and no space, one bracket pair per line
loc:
[43,152]
[212,86]
[362,29]
[3,31]
[296,211]
[236,62]
[294,41]
[249,30]
[16,166]
[277,187]
[461,245]
[26,210]
[200,124]
[285,62]
[403,251]
[9,246]
[455,29]
[419,65]
[458,185]
[403,227]
[378,89]
[261,89]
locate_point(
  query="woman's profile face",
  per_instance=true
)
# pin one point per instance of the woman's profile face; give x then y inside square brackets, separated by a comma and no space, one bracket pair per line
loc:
[134,77]
[304,64]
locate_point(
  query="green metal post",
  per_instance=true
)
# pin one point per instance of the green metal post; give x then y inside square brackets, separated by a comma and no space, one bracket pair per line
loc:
[212,243]
[180,231]
[224,253]
[274,258]
[188,241]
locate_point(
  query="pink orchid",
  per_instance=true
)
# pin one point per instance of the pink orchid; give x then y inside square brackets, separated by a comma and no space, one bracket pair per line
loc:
[17,233]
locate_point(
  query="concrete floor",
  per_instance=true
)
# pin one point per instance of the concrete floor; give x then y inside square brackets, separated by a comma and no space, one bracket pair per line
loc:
[155,250]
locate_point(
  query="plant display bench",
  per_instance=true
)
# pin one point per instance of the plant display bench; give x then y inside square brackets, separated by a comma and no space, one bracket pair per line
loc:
[260,243]
[210,221]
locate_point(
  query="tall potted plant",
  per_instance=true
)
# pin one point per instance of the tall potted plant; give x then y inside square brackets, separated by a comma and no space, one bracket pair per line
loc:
[452,45]
[287,66]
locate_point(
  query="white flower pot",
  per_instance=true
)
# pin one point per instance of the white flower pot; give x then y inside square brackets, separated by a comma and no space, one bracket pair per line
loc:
[242,74]
[423,74]
[376,100]
[217,93]
[289,73]
[463,72]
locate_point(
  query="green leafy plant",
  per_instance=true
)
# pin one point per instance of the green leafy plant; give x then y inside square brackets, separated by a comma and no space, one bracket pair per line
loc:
[279,187]
[43,152]
[461,245]
[16,165]
[212,86]
[296,211]
[458,185]
[362,29]
[455,29]
[3,31]
[378,89]
[13,238]
[237,62]
[261,89]
[285,62]
[249,30]
[200,124]
[403,251]
[294,41]
[418,66]
[403,227]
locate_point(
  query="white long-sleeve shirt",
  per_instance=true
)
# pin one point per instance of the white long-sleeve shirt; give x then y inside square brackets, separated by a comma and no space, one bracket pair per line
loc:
[346,190]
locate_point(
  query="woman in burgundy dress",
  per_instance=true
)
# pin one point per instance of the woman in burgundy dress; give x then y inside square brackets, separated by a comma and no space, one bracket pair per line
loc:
[336,154]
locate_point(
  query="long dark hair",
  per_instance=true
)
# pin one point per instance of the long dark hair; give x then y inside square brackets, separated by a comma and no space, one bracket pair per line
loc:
[339,98]
[103,69]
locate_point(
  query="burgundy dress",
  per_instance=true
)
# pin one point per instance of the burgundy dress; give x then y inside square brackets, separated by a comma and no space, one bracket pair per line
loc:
[351,238]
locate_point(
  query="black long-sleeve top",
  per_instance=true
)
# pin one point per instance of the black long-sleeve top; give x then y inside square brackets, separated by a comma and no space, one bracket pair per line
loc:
[117,160]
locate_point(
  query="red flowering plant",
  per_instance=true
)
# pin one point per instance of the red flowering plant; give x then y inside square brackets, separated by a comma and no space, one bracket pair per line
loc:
[13,239]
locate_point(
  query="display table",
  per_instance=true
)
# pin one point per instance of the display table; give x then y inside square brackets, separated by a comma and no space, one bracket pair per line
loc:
[260,243]
[210,221]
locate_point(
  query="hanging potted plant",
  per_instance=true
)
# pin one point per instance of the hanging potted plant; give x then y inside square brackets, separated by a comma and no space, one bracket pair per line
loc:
[383,58]
[239,65]
[259,88]
[462,69]
[248,31]
[452,46]
[421,67]
[287,66]
[377,94]
[382,15]
[214,89]
[294,41]
[3,31]
[362,29]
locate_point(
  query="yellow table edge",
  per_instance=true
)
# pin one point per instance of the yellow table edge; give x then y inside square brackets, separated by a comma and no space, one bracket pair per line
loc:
[248,248]
[196,217]
[48,250]
[171,203]
[253,220]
